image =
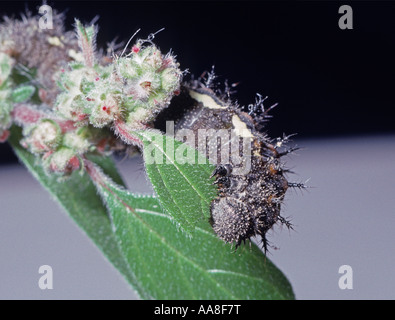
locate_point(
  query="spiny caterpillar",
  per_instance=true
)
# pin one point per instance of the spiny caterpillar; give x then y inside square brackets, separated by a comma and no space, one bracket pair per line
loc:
[249,201]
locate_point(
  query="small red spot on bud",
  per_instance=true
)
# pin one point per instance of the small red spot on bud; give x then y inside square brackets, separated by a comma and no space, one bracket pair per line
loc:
[104,108]
[177,92]
[97,79]
[135,49]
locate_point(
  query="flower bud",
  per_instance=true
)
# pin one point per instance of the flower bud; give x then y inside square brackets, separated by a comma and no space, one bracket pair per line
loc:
[151,57]
[127,68]
[170,79]
[43,137]
[105,110]
[63,162]
[72,108]
[76,142]
[142,87]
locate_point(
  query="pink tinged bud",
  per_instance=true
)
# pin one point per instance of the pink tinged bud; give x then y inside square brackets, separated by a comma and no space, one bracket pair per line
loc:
[166,63]
[67,125]
[97,79]
[63,161]
[44,137]
[24,114]
[106,112]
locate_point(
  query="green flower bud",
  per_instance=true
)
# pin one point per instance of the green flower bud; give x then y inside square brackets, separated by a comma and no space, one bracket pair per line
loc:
[43,137]
[76,142]
[127,68]
[63,162]
[170,79]
[105,110]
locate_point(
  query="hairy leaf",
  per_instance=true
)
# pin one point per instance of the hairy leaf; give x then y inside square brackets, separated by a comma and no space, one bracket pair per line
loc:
[79,198]
[180,177]
[22,93]
[171,265]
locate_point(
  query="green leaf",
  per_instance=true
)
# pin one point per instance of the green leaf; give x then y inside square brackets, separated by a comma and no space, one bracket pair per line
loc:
[5,67]
[78,196]
[171,265]
[185,190]
[22,94]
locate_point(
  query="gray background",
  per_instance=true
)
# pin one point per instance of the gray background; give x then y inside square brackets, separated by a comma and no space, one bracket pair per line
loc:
[347,217]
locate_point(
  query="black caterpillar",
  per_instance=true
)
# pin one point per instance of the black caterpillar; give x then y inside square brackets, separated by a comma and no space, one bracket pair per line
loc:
[249,204]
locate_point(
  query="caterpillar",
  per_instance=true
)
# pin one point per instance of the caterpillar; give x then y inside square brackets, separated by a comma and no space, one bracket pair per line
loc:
[249,201]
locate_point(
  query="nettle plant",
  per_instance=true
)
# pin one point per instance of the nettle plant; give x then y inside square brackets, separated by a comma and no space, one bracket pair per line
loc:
[66,108]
